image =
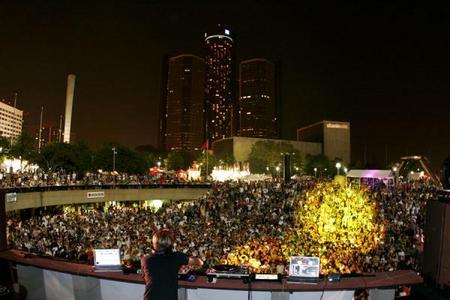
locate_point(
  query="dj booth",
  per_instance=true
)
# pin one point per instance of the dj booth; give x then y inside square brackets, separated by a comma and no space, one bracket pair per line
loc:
[46,278]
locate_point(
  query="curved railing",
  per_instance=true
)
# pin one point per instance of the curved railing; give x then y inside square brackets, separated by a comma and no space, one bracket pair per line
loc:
[51,188]
[34,197]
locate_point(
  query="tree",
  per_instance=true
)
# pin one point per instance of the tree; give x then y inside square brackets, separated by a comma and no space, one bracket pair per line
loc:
[23,147]
[70,158]
[84,157]
[179,160]
[5,144]
[225,159]
[151,155]
[126,160]
[207,162]
[319,161]
[269,154]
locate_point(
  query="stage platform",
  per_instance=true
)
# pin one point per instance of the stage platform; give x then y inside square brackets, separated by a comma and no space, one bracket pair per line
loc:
[48,278]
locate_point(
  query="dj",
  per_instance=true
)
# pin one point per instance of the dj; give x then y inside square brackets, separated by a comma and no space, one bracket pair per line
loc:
[160,269]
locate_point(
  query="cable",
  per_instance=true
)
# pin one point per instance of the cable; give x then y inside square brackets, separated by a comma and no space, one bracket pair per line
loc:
[324,286]
[250,296]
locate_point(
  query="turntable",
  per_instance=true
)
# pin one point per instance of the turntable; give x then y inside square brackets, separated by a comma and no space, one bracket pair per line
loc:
[228,271]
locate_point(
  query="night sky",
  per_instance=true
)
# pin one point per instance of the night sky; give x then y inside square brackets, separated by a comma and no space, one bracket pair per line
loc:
[382,66]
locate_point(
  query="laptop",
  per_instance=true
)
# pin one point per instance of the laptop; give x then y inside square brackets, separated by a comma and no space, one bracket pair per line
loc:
[107,260]
[304,269]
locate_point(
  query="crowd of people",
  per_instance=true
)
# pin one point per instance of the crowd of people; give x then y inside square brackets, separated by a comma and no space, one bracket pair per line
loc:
[234,222]
[50,179]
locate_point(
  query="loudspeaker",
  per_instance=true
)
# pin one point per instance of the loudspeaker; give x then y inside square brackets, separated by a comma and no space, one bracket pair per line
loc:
[445,174]
[436,261]
[3,242]
[287,167]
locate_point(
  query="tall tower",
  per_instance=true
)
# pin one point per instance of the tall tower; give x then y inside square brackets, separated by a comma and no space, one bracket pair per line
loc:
[69,105]
[219,96]
[185,103]
[257,103]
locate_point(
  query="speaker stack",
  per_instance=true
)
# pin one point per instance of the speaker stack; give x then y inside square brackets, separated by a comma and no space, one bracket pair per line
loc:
[287,167]
[436,261]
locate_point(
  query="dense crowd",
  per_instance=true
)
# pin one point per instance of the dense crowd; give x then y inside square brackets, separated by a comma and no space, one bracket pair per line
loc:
[44,179]
[251,217]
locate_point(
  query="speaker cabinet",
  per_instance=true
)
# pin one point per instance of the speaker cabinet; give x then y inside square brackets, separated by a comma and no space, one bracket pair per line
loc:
[287,167]
[436,262]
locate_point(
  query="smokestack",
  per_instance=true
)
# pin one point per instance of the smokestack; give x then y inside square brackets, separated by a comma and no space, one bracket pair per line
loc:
[69,104]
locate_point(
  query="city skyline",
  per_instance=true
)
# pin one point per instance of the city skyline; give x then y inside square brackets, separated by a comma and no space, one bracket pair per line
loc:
[382,67]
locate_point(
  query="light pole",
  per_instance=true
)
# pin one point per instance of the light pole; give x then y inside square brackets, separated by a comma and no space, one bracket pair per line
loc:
[114,159]
[114,165]
[315,172]
[338,167]
[278,171]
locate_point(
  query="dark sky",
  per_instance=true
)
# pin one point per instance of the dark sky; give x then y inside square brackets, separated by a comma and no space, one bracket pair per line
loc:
[382,65]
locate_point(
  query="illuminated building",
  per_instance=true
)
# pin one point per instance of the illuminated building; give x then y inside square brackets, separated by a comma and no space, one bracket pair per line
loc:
[334,137]
[241,147]
[257,108]
[11,120]
[219,92]
[184,110]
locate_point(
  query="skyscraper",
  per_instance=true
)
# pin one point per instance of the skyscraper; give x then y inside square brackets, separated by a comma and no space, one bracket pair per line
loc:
[219,95]
[185,103]
[257,106]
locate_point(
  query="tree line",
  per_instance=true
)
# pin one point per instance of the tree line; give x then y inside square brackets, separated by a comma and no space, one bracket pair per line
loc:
[266,157]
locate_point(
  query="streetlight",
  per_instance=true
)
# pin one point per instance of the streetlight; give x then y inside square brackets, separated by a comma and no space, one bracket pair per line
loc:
[114,158]
[114,165]
[345,170]
[159,164]
[338,167]
[315,172]
[278,170]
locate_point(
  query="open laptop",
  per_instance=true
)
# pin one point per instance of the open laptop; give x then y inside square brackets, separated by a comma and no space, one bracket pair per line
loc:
[304,269]
[107,260]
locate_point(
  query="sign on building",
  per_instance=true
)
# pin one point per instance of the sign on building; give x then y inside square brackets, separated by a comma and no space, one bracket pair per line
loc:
[91,195]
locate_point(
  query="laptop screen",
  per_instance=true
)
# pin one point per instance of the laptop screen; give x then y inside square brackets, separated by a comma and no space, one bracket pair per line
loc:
[107,257]
[304,266]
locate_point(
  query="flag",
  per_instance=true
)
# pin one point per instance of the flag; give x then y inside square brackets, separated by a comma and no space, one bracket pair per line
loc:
[205,145]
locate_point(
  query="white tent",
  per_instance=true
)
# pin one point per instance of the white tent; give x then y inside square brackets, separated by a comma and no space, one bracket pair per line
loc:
[369,177]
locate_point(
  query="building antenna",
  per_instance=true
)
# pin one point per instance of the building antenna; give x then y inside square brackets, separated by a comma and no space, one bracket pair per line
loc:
[60,129]
[15,104]
[40,130]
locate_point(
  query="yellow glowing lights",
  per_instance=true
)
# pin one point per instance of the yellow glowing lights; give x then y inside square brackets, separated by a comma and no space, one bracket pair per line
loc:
[338,224]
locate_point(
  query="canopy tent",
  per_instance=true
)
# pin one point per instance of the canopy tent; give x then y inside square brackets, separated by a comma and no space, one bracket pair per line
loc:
[371,177]
[371,174]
